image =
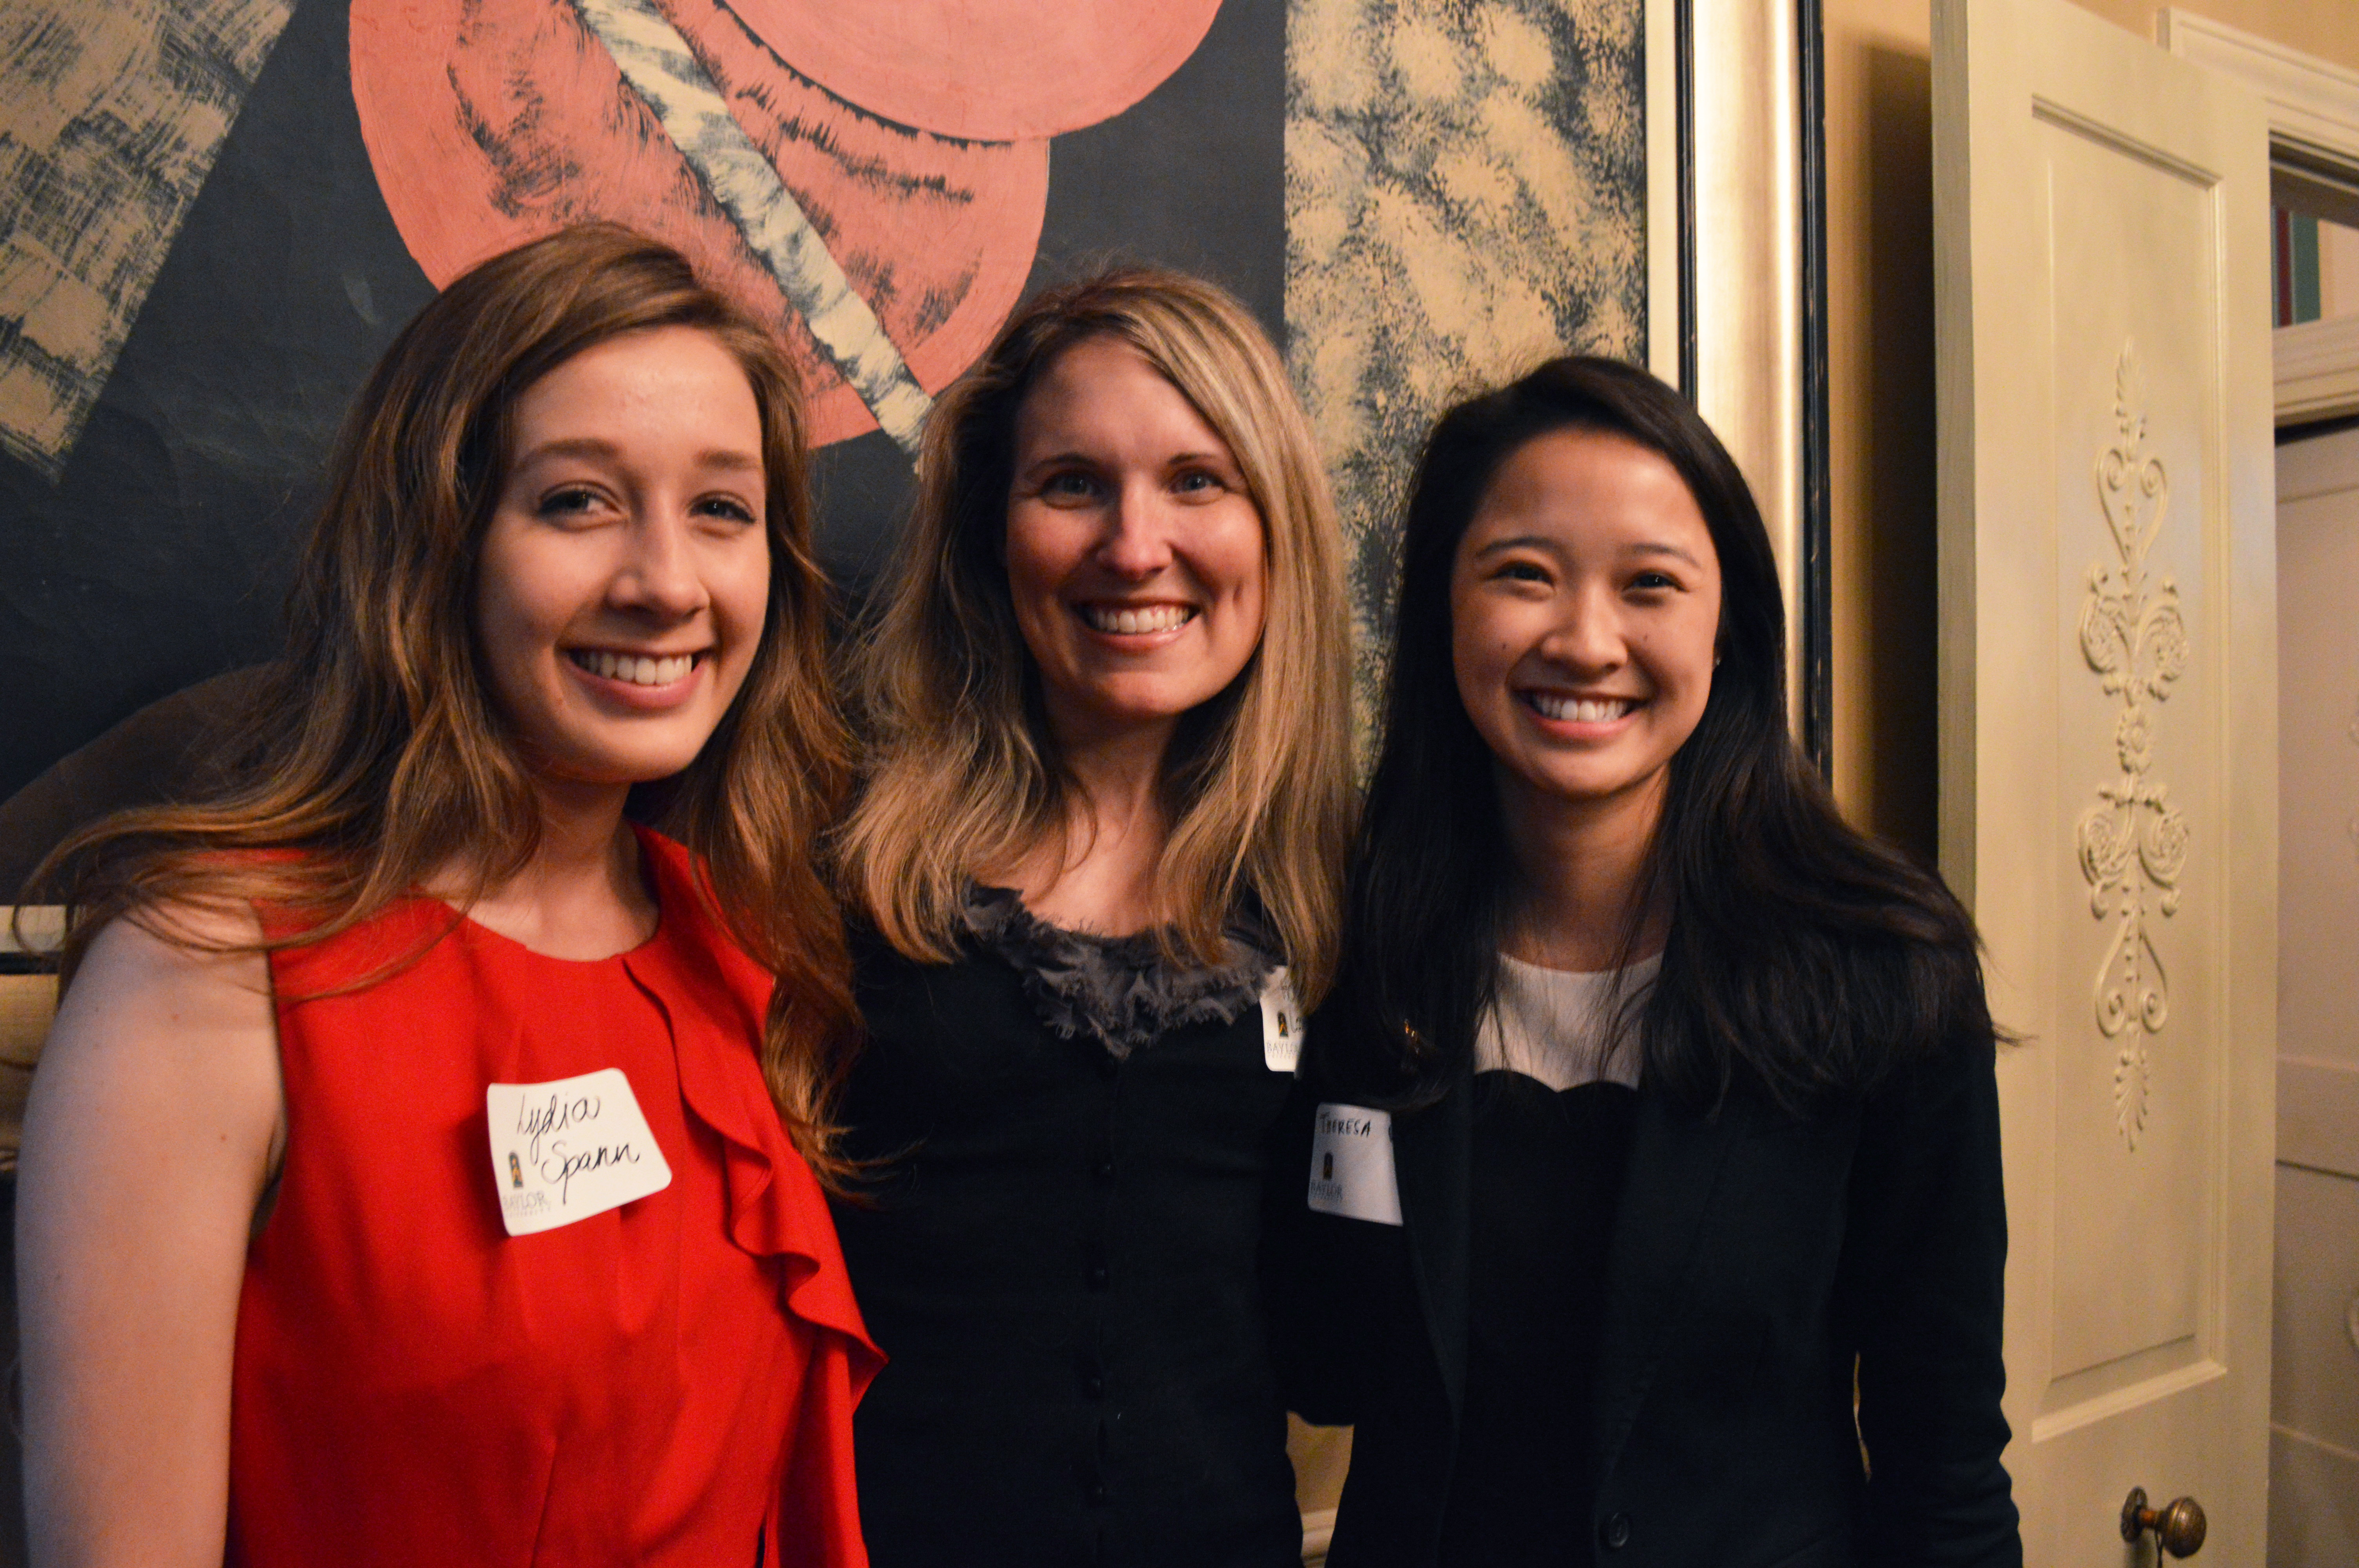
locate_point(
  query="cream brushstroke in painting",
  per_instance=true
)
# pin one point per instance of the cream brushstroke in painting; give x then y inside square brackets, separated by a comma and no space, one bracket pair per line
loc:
[663,70]
[111,120]
[1465,195]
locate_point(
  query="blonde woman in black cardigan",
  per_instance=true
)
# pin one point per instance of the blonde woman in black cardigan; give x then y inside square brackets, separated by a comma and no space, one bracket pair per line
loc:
[1106,800]
[1653,1111]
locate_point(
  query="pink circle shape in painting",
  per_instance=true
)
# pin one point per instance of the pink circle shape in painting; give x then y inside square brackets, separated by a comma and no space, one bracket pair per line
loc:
[985,70]
[490,123]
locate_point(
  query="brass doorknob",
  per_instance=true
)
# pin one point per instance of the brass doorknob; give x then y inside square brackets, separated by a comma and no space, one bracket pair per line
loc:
[2178,1527]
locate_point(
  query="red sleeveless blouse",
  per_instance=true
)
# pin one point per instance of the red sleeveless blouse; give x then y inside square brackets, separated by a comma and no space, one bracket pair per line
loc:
[669,1383]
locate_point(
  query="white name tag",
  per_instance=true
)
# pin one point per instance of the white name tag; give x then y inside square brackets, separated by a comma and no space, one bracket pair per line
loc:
[1352,1165]
[1281,1023]
[570,1148]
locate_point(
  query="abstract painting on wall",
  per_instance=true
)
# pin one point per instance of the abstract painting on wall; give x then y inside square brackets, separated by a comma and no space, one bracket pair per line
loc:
[215,213]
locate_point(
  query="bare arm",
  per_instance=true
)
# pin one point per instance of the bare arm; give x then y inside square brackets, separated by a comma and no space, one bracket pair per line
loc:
[154,1124]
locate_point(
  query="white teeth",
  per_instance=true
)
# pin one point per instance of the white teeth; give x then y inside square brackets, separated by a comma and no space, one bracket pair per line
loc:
[1153,618]
[636,671]
[1581,709]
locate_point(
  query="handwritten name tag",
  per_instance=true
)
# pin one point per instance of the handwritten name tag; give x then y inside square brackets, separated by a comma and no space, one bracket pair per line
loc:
[570,1148]
[1281,1023]
[1352,1165]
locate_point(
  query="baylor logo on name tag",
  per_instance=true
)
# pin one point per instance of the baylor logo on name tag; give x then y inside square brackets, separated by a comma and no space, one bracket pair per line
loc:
[1281,1023]
[570,1148]
[1352,1165]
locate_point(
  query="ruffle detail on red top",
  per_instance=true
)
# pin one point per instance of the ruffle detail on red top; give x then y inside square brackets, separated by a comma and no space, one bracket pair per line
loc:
[775,1205]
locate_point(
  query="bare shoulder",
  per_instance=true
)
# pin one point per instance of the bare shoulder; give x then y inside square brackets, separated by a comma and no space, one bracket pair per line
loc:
[169,1022]
[155,1125]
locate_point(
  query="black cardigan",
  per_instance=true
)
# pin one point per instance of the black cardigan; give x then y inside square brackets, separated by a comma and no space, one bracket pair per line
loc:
[1755,1255]
[1059,1263]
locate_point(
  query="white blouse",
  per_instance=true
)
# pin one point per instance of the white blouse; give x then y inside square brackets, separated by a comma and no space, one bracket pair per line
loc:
[1556,1026]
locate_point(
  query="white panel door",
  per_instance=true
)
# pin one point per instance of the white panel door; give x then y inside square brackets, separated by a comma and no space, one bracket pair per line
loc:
[2109,743]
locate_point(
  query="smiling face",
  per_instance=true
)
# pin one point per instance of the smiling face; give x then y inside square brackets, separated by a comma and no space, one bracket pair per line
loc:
[624,574]
[1135,554]
[1585,605]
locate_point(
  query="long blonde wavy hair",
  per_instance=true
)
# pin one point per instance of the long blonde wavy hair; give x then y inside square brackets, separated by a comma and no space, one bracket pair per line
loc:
[962,773]
[375,748]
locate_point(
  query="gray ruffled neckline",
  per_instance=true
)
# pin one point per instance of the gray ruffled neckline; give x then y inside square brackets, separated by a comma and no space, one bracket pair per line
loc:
[1121,992]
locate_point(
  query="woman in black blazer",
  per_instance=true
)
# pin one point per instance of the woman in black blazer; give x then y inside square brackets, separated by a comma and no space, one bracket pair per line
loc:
[1654,1209]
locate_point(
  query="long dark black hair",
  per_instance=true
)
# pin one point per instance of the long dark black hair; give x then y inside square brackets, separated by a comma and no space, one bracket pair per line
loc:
[1804,959]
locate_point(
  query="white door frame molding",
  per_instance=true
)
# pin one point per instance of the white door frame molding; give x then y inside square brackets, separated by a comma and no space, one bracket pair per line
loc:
[2313,109]
[2317,1101]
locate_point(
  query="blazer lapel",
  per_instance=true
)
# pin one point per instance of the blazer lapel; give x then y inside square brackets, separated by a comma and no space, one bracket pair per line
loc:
[1433,1157]
[1677,1162]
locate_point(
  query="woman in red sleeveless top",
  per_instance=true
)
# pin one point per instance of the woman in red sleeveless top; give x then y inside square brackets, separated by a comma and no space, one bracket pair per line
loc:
[421,1167]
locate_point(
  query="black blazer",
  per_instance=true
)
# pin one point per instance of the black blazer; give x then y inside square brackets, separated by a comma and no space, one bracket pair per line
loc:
[1757,1259]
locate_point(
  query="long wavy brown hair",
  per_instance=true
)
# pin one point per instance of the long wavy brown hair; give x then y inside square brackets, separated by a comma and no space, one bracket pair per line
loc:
[374,748]
[963,774]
